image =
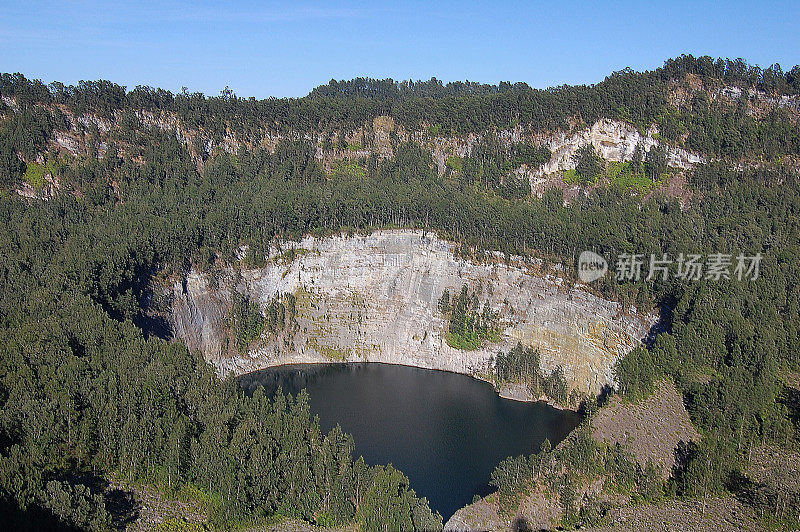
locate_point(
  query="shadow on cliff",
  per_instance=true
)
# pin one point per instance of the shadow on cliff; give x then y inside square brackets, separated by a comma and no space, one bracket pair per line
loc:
[153,325]
[521,524]
[664,321]
[790,397]
[140,300]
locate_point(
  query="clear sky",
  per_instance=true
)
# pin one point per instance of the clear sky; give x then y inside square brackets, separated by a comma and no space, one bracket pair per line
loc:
[266,49]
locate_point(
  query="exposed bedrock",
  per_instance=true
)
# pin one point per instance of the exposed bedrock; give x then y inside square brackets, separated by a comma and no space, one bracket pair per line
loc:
[375,298]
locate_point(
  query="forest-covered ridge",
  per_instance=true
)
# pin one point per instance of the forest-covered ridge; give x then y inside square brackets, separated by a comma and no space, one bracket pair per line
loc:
[81,386]
[455,107]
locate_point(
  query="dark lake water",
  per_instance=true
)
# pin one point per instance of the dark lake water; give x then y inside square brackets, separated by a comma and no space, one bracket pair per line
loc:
[445,431]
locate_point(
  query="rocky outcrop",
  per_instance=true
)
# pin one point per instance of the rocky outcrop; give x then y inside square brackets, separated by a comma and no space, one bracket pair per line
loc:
[632,426]
[199,314]
[613,140]
[483,514]
[374,298]
[538,511]
[651,429]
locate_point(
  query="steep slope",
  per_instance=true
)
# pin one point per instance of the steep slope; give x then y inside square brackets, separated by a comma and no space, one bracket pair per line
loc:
[651,430]
[374,298]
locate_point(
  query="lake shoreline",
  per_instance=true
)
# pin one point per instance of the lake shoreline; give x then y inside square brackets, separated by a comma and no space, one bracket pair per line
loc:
[502,391]
[428,423]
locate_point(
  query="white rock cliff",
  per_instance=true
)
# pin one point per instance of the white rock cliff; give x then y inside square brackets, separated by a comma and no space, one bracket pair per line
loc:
[374,298]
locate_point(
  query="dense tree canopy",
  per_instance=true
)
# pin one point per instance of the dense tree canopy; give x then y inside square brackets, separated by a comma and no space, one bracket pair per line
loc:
[457,107]
[84,392]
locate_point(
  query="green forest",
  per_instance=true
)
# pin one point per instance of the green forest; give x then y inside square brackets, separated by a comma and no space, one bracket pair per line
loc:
[523,364]
[468,326]
[86,397]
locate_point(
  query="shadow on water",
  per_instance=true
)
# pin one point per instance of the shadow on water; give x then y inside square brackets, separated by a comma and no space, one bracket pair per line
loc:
[447,432]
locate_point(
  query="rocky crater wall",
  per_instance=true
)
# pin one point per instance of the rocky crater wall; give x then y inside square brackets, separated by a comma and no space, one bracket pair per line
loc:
[614,140]
[375,298]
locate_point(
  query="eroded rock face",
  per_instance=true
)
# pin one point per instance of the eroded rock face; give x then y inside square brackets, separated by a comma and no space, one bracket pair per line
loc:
[375,298]
[614,141]
[199,313]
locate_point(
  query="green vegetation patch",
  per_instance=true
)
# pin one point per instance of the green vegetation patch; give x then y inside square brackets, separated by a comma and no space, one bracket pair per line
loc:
[289,255]
[522,364]
[469,327]
[623,177]
[247,321]
[34,175]
[571,177]
[455,163]
[349,169]
[471,340]
[644,172]
[635,182]
[354,146]
[334,354]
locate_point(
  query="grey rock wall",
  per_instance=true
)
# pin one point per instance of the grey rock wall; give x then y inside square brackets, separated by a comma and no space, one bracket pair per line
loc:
[374,298]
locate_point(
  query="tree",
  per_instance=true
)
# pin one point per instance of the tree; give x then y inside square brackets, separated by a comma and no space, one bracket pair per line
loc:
[387,504]
[588,164]
[76,505]
[444,302]
[510,475]
[656,162]
[637,159]
[11,167]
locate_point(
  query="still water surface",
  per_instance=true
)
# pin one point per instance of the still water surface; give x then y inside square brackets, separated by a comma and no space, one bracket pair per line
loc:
[445,431]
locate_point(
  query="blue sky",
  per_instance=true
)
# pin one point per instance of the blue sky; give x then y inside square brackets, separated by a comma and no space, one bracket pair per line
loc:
[266,49]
